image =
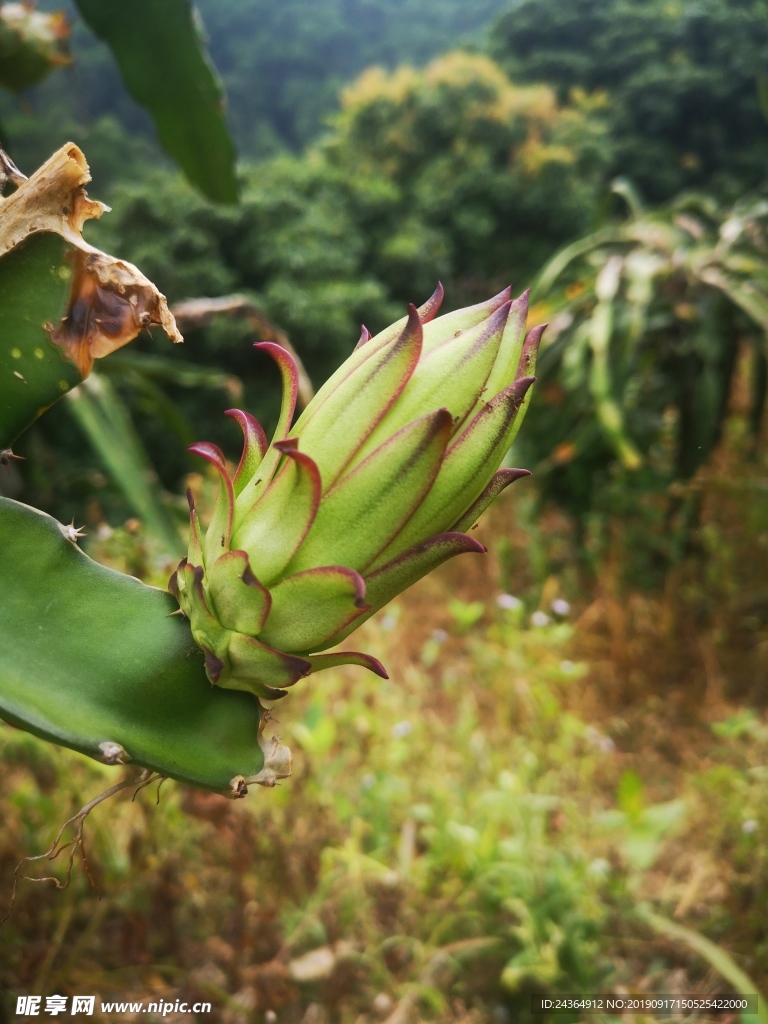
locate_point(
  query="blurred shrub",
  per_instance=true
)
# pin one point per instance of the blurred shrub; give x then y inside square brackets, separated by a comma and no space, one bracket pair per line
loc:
[648,319]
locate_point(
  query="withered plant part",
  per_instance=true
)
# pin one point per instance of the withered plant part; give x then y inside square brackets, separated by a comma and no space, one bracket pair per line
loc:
[76,842]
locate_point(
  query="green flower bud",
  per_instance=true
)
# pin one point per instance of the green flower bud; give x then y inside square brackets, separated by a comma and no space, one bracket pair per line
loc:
[372,488]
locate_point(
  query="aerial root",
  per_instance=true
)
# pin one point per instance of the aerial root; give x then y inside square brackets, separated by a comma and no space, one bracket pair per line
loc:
[77,821]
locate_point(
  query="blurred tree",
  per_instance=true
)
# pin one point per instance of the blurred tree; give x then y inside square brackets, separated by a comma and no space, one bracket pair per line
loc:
[455,172]
[451,171]
[284,64]
[680,74]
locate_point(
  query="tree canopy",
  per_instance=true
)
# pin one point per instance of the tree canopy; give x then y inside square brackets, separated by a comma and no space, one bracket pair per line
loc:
[680,75]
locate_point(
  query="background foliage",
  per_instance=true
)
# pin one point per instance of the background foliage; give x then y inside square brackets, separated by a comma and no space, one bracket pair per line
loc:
[576,733]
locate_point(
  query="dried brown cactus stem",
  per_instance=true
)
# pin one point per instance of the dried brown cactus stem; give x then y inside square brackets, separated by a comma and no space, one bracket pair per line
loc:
[52,199]
[195,313]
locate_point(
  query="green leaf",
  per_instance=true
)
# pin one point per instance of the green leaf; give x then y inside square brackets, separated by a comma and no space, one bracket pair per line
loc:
[106,422]
[160,51]
[89,656]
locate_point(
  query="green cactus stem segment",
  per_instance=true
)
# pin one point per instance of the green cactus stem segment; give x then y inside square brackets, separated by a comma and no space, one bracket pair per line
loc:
[372,488]
[96,661]
[34,373]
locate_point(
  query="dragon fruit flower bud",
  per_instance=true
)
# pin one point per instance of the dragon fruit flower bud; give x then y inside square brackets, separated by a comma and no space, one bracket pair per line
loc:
[375,485]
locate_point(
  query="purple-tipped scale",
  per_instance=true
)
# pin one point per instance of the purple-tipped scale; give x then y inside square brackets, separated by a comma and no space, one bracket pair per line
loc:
[373,487]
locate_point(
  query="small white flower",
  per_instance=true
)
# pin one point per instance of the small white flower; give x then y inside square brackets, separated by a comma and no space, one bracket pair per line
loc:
[388,623]
[750,825]
[561,607]
[401,729]
[439,636]
[599,867]
[599,740]
[539,619]
[567,666]
[367,781]
[509,602]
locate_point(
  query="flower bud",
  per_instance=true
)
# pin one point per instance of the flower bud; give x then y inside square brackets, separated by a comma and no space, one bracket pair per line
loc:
[372,488]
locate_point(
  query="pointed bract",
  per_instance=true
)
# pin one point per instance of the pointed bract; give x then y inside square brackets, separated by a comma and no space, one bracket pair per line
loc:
[505,368]
[321,661]
[499,481]
[274,529]
[241,603]
[371,503]
[219,532]
[336,430]
[466,470]
[195,549]
[448,325]
[254,665]
[252,489]
[311,606]
[365,335]
[255,446]
[453,375]
[429,310]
